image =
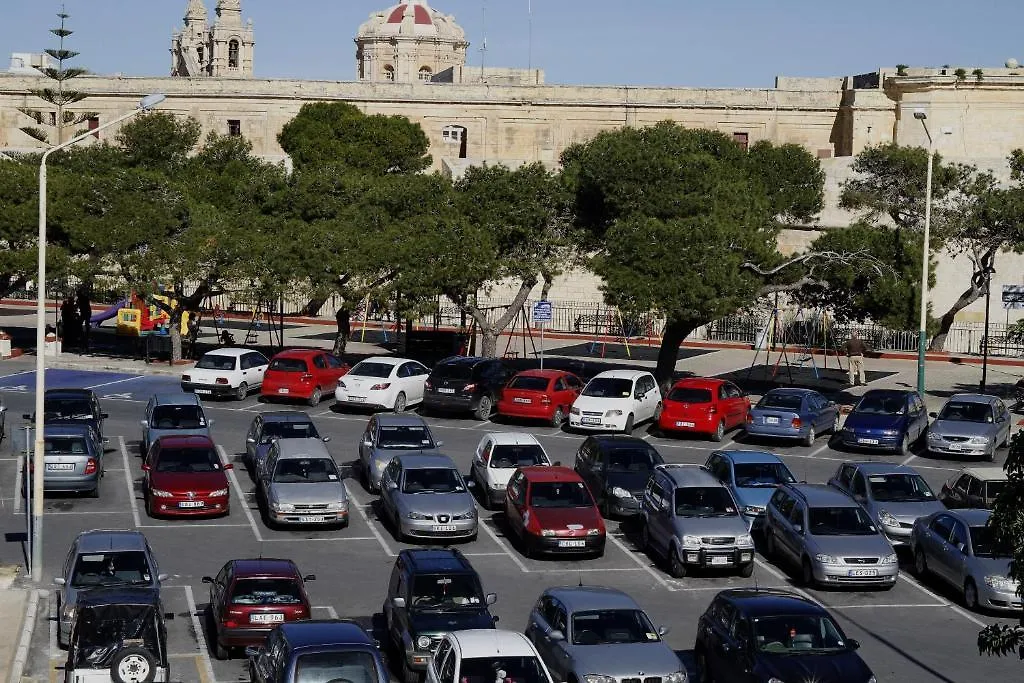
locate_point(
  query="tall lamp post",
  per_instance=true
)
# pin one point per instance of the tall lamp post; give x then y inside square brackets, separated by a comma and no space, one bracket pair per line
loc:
[922,335]
[989,272]
[38,459]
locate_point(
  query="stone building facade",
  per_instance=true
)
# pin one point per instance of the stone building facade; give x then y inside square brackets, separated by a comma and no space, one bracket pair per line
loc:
[221,50]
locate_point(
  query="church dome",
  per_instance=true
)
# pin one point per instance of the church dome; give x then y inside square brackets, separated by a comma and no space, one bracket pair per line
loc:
[412,19]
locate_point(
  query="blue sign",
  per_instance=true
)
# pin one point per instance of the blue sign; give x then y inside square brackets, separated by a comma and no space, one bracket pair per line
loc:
[542,312]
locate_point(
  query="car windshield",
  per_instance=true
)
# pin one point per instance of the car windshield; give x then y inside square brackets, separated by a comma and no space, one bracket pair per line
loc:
[527,383]
[177,417]
[985,543]
[351,666]
[265,591]
[305,471]
[104,569]
[609,387]
[65,445]
[288,430]
[690,395]
[804,633]
[638,460]
[781,402]
[453,371]
[704,501]
[288,365]
[559,494]
[501,670]
[67,409]
[216,361]
[762,474]
[404,436]
[899,488]
[602,627]
[370,369]
[448,590]
[187,460]
[432,480]
[964,411]
[882,405]
[510,456]
[840,521]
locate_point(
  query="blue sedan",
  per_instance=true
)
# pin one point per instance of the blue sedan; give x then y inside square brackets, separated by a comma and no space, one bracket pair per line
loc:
[888,419]
[793,414]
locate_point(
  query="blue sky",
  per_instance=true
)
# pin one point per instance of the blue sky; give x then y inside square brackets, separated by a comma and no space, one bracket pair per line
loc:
[713,43]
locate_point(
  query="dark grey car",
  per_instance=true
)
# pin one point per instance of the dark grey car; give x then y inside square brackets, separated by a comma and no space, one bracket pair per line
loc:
[387,436]
[174,414]
[972,425]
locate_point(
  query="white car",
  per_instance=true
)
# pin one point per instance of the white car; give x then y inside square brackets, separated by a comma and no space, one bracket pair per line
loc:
[616,400]
[496,459]
[383,382]
[226,372]
[486,655]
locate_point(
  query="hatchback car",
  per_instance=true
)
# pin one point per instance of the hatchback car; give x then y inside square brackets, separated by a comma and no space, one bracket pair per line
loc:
[691,519]
[800,414]
[103,558]
[465,384]
[426,498]
[230,372]
[248,598]
[972,425]
[973,487]
[174,415]
[382,382]
[617,401]
[387,436]
[766,635]
[751,477]
[829,536]
[895,496]
[183,476]
[303,374]
[544,395]
[886,419]
[616,468]
[592,631]
[550,510]
[73,460]
[268,427]
[487,655]
[299,483]
[300,651]
[72,406]
[698,405]
[959,547]
[496,458]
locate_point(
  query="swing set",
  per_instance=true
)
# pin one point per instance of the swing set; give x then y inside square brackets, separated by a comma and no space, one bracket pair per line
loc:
[766,341]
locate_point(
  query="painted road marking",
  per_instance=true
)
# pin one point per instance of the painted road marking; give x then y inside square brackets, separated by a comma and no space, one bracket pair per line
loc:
[116,381]
[241,496]
[197,626]
[129,481]
[655,574]
[956,608]
[29,625]
[482,524]
[359,505]
[331,612]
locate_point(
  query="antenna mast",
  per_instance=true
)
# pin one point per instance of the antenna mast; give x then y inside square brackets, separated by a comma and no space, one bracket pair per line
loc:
[483,46]
[529,40]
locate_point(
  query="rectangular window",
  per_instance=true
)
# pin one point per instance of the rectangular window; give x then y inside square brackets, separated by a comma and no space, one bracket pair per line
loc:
[234,127]
[94,123]
[741,139]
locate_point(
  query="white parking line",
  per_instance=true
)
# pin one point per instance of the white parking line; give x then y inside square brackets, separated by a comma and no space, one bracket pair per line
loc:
[192,525]
[956,608]
[484,554]
[817,451]
[908,459]
[655,574]
[812,456]
[197,626]
[241,496]
[501,544]
[366,518]
[129,482]
[116,381]
[571,570]
[17,483]
[331,612]
[888,606]
[16,374]
[320,540]
[782,577]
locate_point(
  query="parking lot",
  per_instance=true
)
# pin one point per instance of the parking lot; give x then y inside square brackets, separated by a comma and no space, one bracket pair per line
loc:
[914,632]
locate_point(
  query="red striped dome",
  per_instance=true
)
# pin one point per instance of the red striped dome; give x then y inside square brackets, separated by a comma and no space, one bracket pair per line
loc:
[422,16]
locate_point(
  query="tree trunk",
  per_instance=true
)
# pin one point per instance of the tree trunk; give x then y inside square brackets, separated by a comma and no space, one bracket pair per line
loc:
[975,291]
[175,332]
[676,331]
[489,332]
[488,342]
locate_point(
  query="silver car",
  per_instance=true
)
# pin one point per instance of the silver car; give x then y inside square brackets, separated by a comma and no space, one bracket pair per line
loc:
[958,547]
[591,633]
[829,536]
[299,483]
[175,414]
[426,498]
[387,436]
[102,559]
[690,518]
[970,424]
[895,496]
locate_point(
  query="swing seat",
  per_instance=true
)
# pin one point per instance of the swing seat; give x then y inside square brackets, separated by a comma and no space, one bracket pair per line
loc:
[511,355]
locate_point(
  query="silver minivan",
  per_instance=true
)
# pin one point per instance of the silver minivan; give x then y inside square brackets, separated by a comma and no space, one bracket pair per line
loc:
[299,483]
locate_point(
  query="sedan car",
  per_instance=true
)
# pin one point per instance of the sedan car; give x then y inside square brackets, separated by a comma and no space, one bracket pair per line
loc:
[268,427]
[886,419]
[545,395]
[465,384]
[751,477]
[173,415]
[800,414]
[698,405]
[593,633]
[616,400]
[895,496]
[73,460]
[382,382]
[549,510]
[960,548]
[183,476]
[426,498]
[496,458]
[302,374]
[485,655]
[973,487]
[299,483]
[231,372]
[970,424]
[336,649]
[71,406]
[387,436]
[616,468]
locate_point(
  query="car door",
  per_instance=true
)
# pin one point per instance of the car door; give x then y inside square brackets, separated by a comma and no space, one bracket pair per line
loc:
[662,530]
[919,417]
[936,541]
[790,516]
[956,493]
[719,640]
[265,468]
[515,506]
[1003,423]
[252,439]
[409,382]
[257,367]
[478,469]
[558,648]
[843,480]
[367,441]
[976,493]
[538,628]
[739,405]
[588,460]
[390,481]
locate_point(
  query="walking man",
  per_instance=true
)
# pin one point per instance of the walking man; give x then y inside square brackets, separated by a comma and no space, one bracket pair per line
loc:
[344,330]
[85,314]
[855,350]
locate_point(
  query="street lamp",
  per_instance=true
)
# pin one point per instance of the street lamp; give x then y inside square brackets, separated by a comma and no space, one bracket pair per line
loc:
[989,271]
[922,335]
[38,459]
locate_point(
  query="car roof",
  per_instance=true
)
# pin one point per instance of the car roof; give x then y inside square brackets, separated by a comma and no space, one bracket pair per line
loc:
[179,398]
[68,392]
[388,360]
[683,475]
[512,438]
[185,441]
[985,473]
[538,473]
[579,598]
[749,456]
[618,440]
[419,461]
[822,494]
[66,429]
[286,416]
[302,448]
[549,374]
[436,560]
[491,642]
[972,398]
[621,374]
[971,516]
[699,382]
[462,360]
[760,602]
[264,567]
[888,392]
[790,391]
[879,467]
[120,595]
[332,633]
[234,351]
[104,540]
[298,353]
[403,420]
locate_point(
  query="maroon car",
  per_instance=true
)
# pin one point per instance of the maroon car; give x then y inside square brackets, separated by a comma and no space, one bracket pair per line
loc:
[248,598]
[183,476]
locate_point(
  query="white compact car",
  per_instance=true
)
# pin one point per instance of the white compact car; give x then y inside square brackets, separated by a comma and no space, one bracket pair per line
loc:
[496,459]
[383,382]
[226,372]
[616,400]
[486,655]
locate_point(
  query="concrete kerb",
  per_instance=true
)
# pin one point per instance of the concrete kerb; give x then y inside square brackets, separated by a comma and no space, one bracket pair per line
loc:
[17,608]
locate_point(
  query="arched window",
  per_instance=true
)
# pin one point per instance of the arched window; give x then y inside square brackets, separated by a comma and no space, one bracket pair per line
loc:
[233,54]
[389,72]
[200,53]
[425,73]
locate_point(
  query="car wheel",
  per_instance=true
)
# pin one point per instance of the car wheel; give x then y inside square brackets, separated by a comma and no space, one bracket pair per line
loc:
[920,564]
[645,537]
[219,651]
[399,406]
[95,493]
[747,570]
[314,398]
[676,568]
[657,413]
[719,432]
[809,438]
[703,672]
[628,428]
[558,418]
[991,456]
[904,446]
[133,664]
[483,409]
[242,392]
[604,508]
[806,573]
[970,595]
[835,424]
[408,675]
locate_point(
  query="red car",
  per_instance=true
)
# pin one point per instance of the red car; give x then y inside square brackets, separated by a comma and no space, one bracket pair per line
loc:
[302,373]
[184,477]
[700,405]
[248,598]
[540,395]
[551,510]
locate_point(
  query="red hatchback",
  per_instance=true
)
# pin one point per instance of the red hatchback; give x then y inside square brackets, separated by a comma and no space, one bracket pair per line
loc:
[302,373]
[184,477]
[551,510]
[700,405]
[540,395]
[248,598]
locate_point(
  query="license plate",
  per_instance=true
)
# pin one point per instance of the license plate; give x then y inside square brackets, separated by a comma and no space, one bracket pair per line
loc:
[444,390]
[310,519]
[684,424]
[771,420]
[955,447]
[204,392]
[522,400]
[191,504]
[445,527]
[60,467]
[590,420]
[269,618]
[572,544]
[357,399]
[282,390]
[719,560]
[868,442]
[863,572]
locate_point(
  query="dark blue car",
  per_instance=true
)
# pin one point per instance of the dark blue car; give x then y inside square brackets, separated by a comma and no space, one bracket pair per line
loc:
[793,414]
[886,419]
[335,650]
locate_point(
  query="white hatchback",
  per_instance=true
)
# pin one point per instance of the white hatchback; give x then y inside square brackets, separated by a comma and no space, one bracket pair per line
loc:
[496,459]
[486,655]
[226,372]
[616,400]
[383,382]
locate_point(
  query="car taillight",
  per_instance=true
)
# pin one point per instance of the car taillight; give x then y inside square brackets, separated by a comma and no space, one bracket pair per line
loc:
[427,384]
[469,387]
[380,387]
[223,380]
[186,378]
[750,418]
[90,466]
[796,423]
[546,400]
[231,623]
[306,377]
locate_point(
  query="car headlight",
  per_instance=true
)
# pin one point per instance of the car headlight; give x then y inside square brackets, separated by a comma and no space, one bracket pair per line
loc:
[69,613]
[613,413]
[423,642]
[466,515]
[160,493]
[935,436]
[1001,583]
[980,440]
[574,410]
[848,430]
[677,677]
[826,559]
[547,532]
[419,515]
[620,492]
[691,541]
[889,559]
[744,539]
[753,510]
[341,384]
[599,678]
[282,507]
[888,520]
[338,507]
[773,679]
[218,493]
[889,432]
[593,532]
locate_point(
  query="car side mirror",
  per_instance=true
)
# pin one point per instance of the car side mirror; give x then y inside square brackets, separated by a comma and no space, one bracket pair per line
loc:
[209,423]
[162,577]
[104,415]
[398,603]
[144,423]
[367,443]
[250,441]
[491,598]
[556,635]
[327,439]
[439,443]
[663,630]
[59,581]
[207,579]
[309,577]
[933,414]
[852,644]
[105,441]
[558,463]
[253,651]
[798,528]
[495,619]
[470,484]
[229,466]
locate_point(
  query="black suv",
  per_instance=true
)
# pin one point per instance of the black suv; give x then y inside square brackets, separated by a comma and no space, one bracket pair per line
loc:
[431,592]
[72,406]
[616,468]
[466,384]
